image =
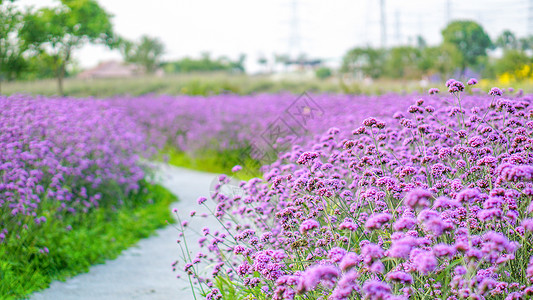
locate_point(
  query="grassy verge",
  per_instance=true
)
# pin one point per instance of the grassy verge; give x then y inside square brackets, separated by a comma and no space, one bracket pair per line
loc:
[216,162]
[207,84]
[76,242]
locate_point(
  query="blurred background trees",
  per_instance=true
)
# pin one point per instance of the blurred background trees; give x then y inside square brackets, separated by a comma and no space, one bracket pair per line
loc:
[58,31]
[147,52]
[37,44]
[11,61]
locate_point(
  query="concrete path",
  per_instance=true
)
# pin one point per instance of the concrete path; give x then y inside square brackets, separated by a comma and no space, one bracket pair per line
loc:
[144,271]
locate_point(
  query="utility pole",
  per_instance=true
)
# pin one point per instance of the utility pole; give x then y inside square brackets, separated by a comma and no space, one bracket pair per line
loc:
[383,24]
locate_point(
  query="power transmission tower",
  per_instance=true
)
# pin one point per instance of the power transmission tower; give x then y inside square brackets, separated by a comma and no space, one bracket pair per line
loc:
[383,24]
[397,29]
[294,37]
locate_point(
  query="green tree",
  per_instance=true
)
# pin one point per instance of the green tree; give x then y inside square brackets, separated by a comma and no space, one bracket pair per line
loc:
[525,43]
[507,40]
[238,65]
[443,60]
[470,39]
[323,73]
[368,61]
[402,62]
[147,52]
[511,61]
[60,30]
[11,49]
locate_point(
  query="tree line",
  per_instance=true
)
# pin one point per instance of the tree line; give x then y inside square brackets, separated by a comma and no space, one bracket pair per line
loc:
[465,47]
[39,43]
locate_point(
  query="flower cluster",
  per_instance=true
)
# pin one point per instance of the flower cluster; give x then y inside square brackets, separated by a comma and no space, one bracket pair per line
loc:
[433,201]
[66,153]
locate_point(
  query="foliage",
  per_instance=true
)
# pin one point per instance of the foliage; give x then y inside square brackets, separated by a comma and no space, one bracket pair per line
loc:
[147,52]
[59,31]
[11,60]
[469,38]
[63,162]
[511,61]
[507,40]
[323,73]
[206,64]
[403,61]
[443,59]
[76,242]
[368,61]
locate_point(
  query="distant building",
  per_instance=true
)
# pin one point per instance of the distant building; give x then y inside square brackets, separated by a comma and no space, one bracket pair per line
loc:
[112,69]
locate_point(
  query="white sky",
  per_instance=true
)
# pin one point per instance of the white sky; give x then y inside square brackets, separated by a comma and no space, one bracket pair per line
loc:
[326,29]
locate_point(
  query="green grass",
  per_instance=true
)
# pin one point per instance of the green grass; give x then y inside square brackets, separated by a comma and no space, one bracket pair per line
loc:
[96,236]
[207,84]
[220,162]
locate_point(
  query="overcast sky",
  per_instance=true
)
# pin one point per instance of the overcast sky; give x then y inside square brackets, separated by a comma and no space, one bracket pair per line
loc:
[321,29]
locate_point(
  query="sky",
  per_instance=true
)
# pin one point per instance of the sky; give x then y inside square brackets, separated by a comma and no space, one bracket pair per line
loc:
[320,29]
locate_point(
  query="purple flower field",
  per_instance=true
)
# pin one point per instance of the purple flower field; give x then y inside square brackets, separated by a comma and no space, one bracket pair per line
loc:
[407,197]
[376,197]
[63,152]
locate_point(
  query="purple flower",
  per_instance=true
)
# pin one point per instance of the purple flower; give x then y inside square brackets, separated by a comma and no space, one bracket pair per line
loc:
[201,200]
[424,261]
[401,277]
[433,91]
[346,286]
[368,122]
[371,252]
[315,274]
[417,198]
[307,157]
[404,223]
[495,91]
[336,254]
[349,260]
[401,248]
[472,81]
[377,220]
[375,289]
[308,225]
[441,250]
[528,224]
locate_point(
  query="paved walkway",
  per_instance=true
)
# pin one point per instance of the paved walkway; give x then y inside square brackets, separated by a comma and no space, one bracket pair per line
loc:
[144,271]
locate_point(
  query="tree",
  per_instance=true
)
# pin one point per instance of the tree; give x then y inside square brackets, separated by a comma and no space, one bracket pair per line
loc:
[237,66]
[11,60]
[368,61]
[147,52]
[511,61]
[470,39]
[323,73]
[402,62]
[507,40]
[59,31]
[263,61]
[525,43]
[443,59]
